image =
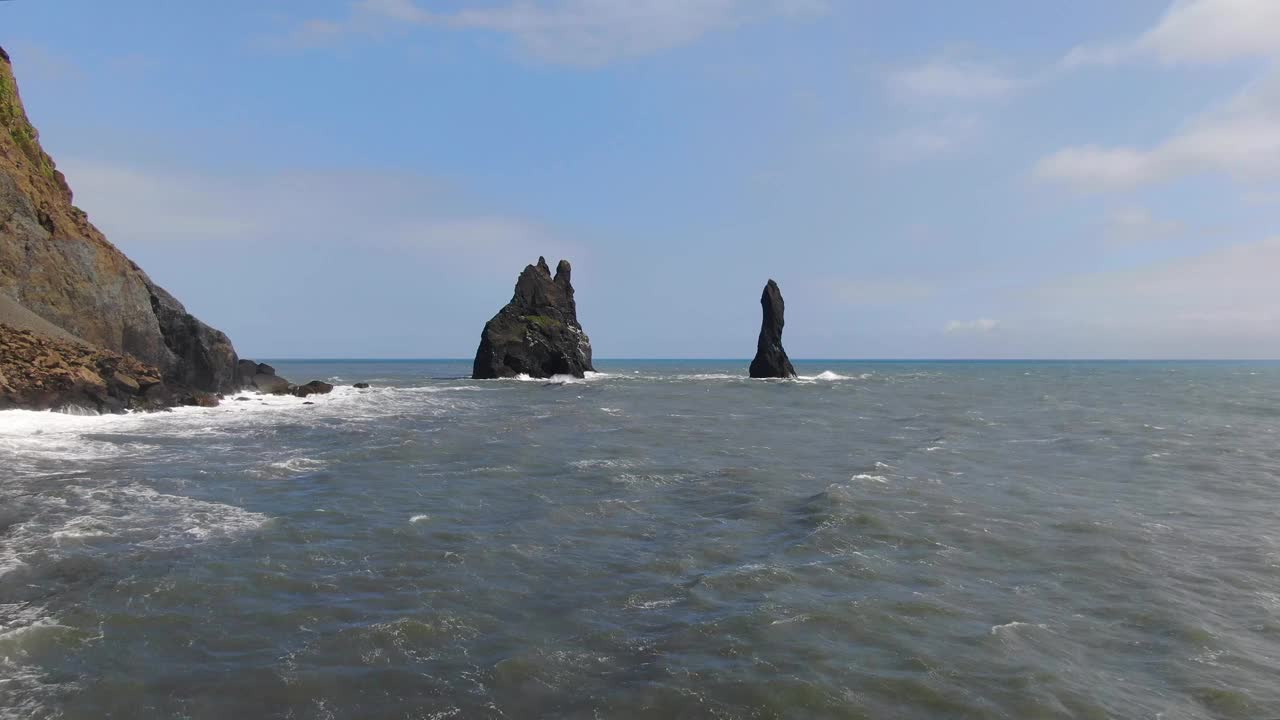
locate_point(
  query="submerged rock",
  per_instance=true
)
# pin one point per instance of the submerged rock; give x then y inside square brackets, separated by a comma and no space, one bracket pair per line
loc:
[771,360]
[537,333]
[361,386]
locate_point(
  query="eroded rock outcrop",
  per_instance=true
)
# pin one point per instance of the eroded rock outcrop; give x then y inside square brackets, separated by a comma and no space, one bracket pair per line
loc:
[537,333]
[43,373]
[57,267]
[771,360]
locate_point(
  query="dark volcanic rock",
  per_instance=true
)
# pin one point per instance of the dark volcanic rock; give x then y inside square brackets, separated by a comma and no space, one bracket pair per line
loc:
[271,384]
[361,386]
[315,387]
[245,370]
[537,333]
[771,360]
[204,356]
[262,377]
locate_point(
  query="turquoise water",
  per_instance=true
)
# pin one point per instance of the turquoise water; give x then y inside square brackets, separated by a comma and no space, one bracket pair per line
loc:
[667,539]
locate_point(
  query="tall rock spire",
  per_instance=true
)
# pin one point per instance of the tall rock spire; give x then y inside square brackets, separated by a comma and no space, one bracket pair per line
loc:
[771,360]
[537,333]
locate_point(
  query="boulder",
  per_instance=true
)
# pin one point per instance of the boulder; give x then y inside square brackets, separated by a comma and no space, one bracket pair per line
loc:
[271,384]
[537,333]
[771,360]
[315,387]
[361,386]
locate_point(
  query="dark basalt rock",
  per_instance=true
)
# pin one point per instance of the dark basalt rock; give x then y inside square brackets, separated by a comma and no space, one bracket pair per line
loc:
[315,387]
[271,384]
[361,386]
[537,333]
[203,356]
[262,377]
[771,360]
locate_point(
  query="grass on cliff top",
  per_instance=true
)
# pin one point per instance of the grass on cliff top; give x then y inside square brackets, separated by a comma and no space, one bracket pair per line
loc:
[14,120]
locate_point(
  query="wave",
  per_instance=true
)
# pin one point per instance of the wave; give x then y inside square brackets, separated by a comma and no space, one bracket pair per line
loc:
[561,379]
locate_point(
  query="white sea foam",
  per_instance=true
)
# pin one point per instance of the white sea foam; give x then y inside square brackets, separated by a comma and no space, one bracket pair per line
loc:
[298,465]
[870,478]
[562,379]
[39,442]
[419,518]
[1013,626]
[824,375]
[595,464]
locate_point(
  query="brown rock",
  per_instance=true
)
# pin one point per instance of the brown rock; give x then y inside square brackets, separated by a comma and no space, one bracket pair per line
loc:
[126,383]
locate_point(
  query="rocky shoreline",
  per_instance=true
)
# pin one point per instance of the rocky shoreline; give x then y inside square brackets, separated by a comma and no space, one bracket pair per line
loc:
[44,373]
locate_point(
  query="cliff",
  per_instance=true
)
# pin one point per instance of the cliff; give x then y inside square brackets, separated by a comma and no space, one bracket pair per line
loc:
[537,333]
[57,270]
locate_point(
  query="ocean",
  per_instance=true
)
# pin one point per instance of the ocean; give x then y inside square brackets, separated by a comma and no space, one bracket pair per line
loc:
[665,539]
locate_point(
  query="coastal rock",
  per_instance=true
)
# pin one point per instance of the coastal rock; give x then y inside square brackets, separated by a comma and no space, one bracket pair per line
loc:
[42,373]
[62,279]
[250,375]
[361,386]
[537,333]
[271,384]
[245,370]
[315,387]
[771,360]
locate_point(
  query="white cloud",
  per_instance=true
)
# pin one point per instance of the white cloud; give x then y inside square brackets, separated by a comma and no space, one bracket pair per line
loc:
[1197,31]
[1136,225]
[1241,139]
[951,80]
[573,32]
[981,326]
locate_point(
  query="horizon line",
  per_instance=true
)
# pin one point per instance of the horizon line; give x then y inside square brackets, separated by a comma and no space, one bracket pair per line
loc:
[804,360]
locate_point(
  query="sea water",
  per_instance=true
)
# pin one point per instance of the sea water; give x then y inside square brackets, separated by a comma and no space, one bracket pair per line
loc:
[659,540]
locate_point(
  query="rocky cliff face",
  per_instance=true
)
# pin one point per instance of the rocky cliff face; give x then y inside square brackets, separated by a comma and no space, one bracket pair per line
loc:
[39,372]
[537,333]
[771,360]
[56,266]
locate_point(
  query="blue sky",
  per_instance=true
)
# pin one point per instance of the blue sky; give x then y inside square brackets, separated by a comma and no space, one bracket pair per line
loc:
[366,178]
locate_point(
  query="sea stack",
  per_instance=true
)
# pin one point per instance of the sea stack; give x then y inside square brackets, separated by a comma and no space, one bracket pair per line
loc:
[771,360]
[537,333]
